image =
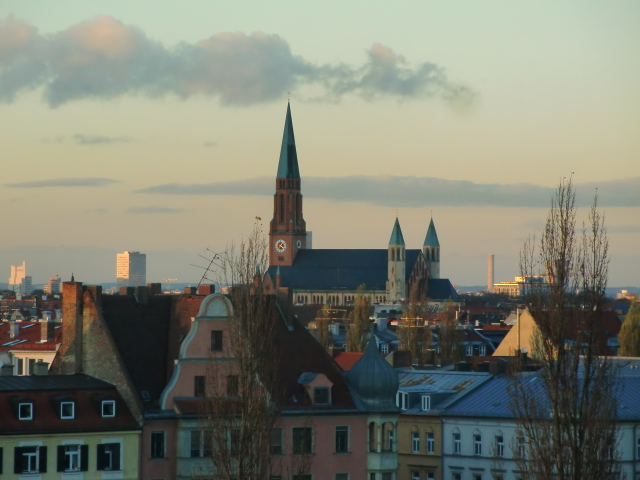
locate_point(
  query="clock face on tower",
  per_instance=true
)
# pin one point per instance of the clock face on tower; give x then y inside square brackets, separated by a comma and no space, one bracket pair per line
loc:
[299,244]
[281,246]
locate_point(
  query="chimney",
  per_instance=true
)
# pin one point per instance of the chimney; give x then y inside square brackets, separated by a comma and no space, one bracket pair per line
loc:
[46,330]
[58,315]
[6,370]
[142,295]
[14,329]
[126,291]
[190,290]
[40,368]
[155,288]
[96,294]
[490,276]
[206,289]
[72,310]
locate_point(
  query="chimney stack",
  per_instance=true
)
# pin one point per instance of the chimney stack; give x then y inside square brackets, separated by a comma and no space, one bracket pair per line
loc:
[40,368]
[490,276]
[206,289]
[72,311]
[14,329]
[46,328]
[190,290]
[6,370]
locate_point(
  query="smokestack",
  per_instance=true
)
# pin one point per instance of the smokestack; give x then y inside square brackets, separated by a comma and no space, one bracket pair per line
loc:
[490,278]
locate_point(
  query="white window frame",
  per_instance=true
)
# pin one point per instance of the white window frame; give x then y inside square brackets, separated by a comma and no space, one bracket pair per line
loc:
[469,350]
[322,389]
[25,417]
[431,442]
[384,348]
[104,404]
[415,442]
[477,444]
[72,458]
[457,443]
[402,400]
[415,475]
[73,410]
[426,403]
[499,445]
[482,350]
[520,447]
[33,459]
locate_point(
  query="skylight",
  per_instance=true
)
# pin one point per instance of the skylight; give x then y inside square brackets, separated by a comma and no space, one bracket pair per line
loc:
[14,342]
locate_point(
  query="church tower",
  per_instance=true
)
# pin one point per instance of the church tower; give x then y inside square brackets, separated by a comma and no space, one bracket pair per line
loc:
[288,230]
[396,265]
[431,251]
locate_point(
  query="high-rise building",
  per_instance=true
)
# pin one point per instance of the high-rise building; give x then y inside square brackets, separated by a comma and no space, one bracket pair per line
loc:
[131,269]
[19,279]
[490,277]
[52,286]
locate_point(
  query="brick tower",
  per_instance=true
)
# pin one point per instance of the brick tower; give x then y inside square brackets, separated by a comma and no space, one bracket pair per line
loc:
[288,230]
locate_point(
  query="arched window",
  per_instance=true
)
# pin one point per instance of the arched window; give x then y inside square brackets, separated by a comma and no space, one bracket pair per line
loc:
[372,437]
[393,255]
[281,208]
[398,254]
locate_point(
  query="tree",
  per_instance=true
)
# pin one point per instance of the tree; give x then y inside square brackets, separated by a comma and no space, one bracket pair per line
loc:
[321,326]
[629,337]
[414,332]
[359,324]
[566,412]
[241,398]
[448,333]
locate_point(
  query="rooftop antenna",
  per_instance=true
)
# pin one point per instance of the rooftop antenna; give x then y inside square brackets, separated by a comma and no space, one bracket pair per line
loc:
[215,260]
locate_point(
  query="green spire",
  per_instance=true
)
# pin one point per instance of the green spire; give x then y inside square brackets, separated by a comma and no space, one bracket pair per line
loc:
[431,239]
[396,235]
[288,164]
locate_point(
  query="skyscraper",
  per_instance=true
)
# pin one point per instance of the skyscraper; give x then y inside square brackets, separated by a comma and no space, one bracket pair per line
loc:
[131,269]
[19,277]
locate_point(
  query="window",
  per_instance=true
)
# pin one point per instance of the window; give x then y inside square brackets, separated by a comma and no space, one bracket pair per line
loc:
[477,444]
[431,476]
[390,440]
[415,442]
[469,350]
[341,476]
[499,446]
[30,460]
[384,348]
[520,447]
[483,350]
[157,444]
[426,402]
[275,441]
[198,386]
[638,449]
[457,476]
[415,475]
[477,477]
[232,386]
[196,444]
[305,476]
[108,408]
[73,458]
[302,440]
[321,395]
[216,340]
[25,411]
[457,443]
[108,456]
[372,476]
[387,476]
[67,410]
[431,442]
[342,439]
[402,400]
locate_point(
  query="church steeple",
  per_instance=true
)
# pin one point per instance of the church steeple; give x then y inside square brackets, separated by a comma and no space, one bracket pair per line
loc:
[432,237]
[396,262]
[288,164]
[431,251]
[288,230]
[396,234]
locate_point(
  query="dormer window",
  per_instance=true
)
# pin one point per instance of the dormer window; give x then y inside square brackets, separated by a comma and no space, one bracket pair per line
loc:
[67,410]
[384,348]
[321,395]
[426,403]
[108,408]
[25,411]
[402,400]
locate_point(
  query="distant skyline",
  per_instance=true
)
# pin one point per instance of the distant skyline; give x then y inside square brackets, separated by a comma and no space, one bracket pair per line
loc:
[157,127]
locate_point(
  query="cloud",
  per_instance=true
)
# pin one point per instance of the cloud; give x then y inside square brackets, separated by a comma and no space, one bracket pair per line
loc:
[103,58]
[210,144]
[98,139]
[417,191]
[64,182]
[624,229]
[153,210]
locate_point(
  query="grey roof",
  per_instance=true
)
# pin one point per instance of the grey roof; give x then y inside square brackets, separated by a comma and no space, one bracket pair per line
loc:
[431,239]
[78,381]
[288,164]
[374,381]
[396,234]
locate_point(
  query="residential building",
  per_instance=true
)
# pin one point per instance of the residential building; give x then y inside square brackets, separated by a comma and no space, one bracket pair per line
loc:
[66,426]
[23,344]
[131,269]
[52,287]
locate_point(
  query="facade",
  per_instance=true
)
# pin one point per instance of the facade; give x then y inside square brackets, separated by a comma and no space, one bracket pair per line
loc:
[19,280]
[52,287]
[26,343]
[131,269]
[66,427]
[307,276]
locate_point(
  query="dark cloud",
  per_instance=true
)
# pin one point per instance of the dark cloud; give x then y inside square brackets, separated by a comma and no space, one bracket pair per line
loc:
[64,182]
[103,58]
[98,139]
[418,191]
[154,210]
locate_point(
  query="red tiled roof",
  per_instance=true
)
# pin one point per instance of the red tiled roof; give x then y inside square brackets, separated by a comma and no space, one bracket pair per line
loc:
[347,360]
[28,337]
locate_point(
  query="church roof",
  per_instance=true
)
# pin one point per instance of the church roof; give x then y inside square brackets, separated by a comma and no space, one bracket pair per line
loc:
[346,269]
[432,237]
[288,164]
[396,234]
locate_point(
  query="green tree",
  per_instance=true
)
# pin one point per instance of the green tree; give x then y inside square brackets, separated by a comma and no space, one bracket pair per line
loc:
[629,337]
[359,324]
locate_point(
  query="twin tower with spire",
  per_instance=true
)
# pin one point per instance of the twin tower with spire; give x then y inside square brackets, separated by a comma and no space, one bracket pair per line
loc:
[320,276]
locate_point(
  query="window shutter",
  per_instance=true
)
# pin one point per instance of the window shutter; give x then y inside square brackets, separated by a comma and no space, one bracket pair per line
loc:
[43,459]
[84,458]
[117,463]
[100,457]
[60,466]
[17,460]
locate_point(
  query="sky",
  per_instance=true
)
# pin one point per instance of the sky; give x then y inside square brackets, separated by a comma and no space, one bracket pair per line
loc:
[156,127]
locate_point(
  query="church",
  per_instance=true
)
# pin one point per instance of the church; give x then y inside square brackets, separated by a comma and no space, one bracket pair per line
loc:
[311,276]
